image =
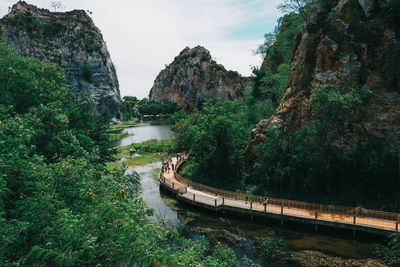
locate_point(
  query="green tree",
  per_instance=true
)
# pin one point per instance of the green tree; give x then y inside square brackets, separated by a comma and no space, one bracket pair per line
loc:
[215,139]
[58,204]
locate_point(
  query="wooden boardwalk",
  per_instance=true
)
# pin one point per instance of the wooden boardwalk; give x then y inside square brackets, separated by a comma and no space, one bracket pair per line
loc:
[356,219]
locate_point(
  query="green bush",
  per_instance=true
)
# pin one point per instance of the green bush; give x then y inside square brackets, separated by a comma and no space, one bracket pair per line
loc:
[153,145]
[390,253]
[53,28]
[87,73]
[272,248]
[35,26]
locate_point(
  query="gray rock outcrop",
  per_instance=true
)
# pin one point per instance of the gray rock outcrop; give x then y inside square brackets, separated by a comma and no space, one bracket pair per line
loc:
[193,78]
[70,40]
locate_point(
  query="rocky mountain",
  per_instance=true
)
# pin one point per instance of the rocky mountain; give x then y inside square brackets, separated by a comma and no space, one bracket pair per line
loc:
[351,42]
[72,41]
[193,78]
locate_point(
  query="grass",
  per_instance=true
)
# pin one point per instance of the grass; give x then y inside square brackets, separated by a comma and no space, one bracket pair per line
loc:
[118,136]
[153,145]
[119,127]
[143,158]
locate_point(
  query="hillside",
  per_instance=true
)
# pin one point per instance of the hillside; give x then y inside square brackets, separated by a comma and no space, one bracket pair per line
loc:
[70,40]
[346,44]
[194,78]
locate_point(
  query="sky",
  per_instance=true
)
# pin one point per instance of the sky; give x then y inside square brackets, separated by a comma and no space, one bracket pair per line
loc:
[143,36]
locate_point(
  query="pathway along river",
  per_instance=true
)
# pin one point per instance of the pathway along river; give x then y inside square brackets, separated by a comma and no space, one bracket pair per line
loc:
[231,231]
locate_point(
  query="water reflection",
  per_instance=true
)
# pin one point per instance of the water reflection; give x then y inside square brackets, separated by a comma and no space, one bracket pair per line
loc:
[146,130]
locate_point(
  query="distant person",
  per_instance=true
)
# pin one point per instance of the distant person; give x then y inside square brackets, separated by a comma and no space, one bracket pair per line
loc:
[247,196]
[265,202]
[173,167]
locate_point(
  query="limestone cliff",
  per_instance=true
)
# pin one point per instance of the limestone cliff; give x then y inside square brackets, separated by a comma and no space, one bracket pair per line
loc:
[193,78]
[72,41]
[351,42]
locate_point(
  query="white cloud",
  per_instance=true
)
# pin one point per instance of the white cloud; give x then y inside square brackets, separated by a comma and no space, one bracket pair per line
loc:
[143,36]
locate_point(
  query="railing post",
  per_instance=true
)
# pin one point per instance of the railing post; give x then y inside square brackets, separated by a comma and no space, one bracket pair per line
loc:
[194,197]
[215,200]
[316,214]
[251,205]
[223,201]
[281,210]
[354,219]
[397,226]
[173,185]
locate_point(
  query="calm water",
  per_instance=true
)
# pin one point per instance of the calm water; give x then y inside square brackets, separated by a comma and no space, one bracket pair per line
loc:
[195,223]
[146,130]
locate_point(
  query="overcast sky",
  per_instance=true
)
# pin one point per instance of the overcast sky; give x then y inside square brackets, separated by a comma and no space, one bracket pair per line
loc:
[145,35]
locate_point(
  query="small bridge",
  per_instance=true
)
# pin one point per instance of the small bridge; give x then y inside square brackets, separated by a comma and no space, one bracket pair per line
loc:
[355,219]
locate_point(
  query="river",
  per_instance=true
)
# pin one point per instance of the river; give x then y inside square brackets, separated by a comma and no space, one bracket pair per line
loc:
[146,130]
[194,223]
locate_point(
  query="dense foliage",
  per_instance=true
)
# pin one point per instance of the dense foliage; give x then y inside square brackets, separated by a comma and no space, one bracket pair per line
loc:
[310,159]
[147,107]
[272,248]
[128,108]
[271,78]
[390,253]
[131,108]
[58,203]
[215,139]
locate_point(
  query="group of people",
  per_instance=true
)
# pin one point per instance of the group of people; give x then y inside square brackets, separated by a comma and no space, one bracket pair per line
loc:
[264,203]
[167,166]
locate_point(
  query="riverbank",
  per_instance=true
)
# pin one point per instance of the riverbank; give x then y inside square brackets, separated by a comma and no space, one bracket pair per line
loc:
[125,156]
[308,249]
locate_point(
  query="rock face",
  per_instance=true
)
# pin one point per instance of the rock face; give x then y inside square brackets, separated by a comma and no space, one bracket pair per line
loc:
[70,40]
[347,42]
[193,78]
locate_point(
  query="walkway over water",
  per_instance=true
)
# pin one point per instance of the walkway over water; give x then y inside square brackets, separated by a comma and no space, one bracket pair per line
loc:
[356,219]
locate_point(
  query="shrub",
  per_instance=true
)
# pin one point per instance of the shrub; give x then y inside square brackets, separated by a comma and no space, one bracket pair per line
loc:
[87,73]
[153,145]
[273,248]
[390,253]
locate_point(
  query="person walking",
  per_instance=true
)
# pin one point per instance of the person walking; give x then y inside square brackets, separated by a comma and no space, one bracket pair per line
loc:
[265,203]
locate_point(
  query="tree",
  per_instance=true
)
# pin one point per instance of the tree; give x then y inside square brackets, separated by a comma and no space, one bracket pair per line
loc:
[298,6]
[57,5]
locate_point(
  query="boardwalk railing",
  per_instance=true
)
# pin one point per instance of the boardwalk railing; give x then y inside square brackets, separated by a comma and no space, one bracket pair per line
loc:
[313,208]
